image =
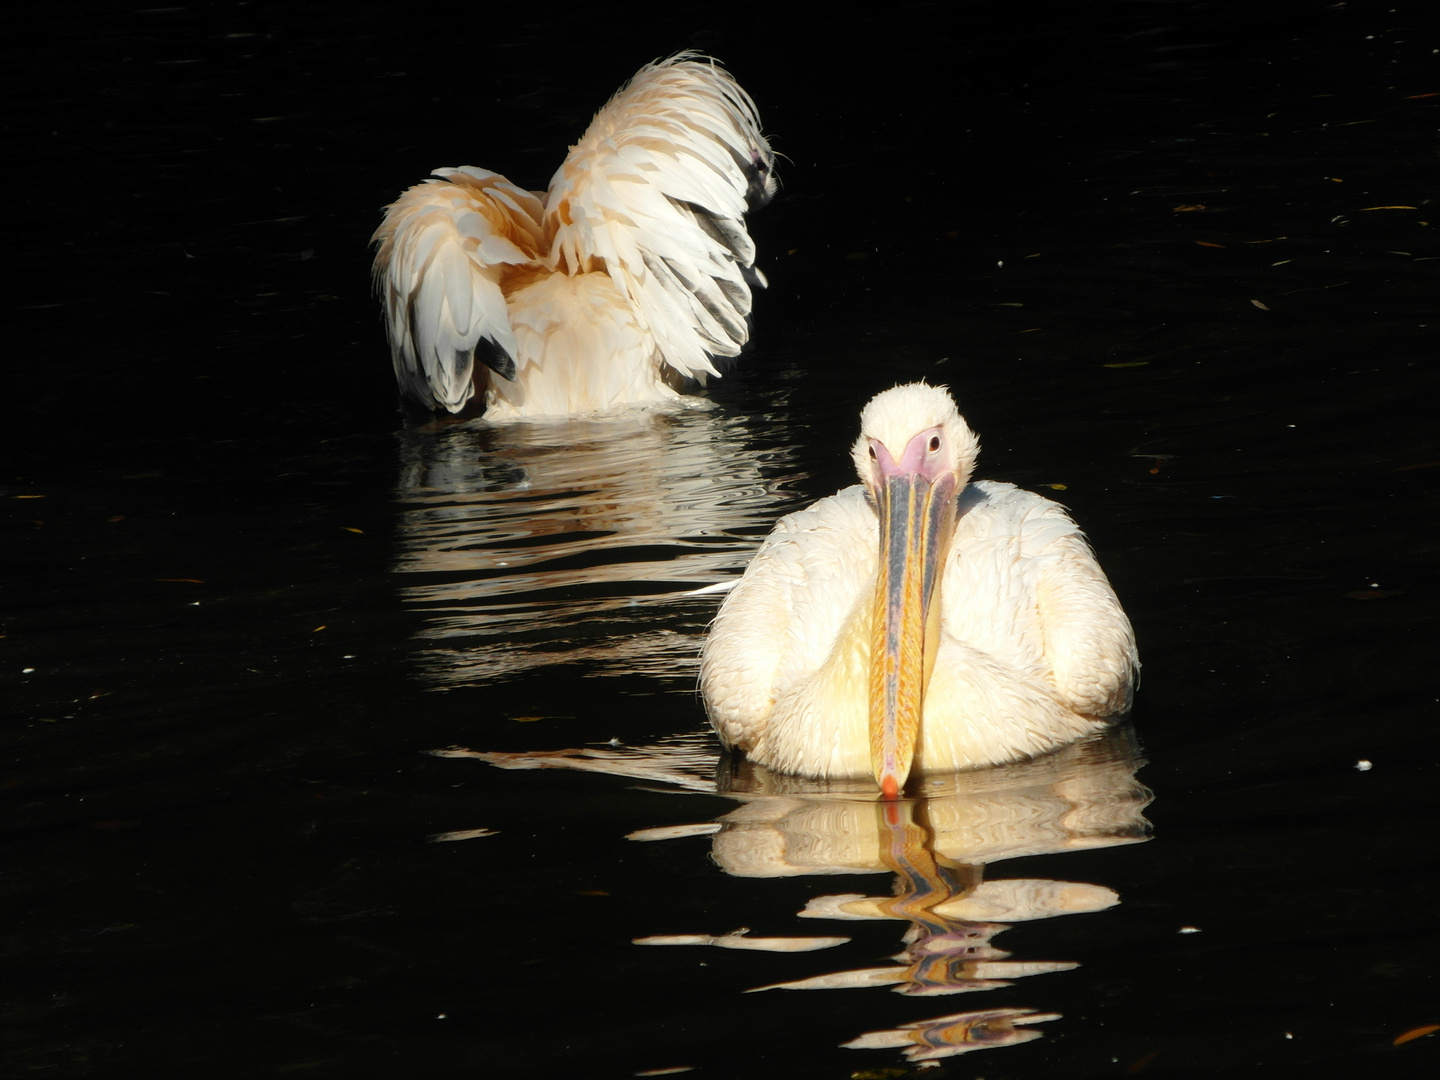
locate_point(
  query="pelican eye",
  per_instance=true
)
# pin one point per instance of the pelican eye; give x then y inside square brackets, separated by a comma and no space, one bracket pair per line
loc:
[934,443]
[872,452]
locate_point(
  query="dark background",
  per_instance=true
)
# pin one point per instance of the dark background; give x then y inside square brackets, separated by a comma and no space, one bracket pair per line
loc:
[215,814]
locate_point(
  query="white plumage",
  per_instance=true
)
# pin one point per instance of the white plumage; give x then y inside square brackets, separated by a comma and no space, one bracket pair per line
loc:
[625,278]
[1011,641]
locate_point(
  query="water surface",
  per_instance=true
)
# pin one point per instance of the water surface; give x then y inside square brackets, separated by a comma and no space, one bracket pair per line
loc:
[1177,261]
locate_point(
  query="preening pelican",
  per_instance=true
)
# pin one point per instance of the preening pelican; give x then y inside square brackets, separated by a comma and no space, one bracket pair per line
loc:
[917,619]
[627,276]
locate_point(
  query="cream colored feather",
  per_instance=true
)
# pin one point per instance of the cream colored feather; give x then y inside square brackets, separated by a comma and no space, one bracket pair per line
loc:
[1034,649]
[630,276]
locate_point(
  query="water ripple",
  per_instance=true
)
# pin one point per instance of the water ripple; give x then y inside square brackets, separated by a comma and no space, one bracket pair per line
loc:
[532,544]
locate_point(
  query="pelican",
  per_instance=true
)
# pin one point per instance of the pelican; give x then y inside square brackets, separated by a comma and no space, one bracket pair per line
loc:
[917,620]
[621,281]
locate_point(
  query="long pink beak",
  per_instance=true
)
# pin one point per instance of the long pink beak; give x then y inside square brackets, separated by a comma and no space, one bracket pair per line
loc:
[915,500]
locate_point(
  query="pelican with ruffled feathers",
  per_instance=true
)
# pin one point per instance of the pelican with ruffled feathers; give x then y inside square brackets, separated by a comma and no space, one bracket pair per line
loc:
[919,620]
[622,281]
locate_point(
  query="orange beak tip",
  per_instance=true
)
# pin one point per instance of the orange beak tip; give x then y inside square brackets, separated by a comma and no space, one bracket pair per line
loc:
[889,787]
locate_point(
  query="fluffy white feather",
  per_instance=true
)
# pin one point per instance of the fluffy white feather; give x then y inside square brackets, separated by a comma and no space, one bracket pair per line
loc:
[645,218]
[1034,649]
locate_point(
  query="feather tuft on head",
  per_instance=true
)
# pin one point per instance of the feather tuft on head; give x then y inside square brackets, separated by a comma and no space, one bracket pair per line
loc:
[895,416]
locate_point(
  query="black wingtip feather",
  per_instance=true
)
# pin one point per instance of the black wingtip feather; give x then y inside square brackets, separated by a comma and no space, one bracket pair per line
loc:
[495,358]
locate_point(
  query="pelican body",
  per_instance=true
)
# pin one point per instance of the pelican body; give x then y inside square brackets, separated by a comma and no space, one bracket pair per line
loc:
[918,620]
[621,281]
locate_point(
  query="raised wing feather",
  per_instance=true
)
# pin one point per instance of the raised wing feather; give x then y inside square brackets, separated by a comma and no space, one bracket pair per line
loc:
[655,194]
[447,247]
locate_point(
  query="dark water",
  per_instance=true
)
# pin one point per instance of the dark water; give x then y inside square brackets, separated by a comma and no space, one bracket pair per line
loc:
[1179,258]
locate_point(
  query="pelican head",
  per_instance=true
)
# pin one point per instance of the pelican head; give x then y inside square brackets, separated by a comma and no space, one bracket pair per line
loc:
[915,454]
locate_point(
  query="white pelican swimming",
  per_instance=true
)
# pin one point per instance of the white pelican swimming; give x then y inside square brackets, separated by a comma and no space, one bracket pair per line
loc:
[627,276]
[917,619]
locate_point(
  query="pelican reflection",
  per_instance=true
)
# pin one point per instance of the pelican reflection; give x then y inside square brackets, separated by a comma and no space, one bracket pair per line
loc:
[540,543]
[935,847]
